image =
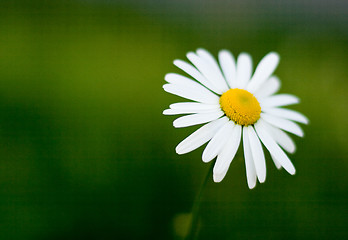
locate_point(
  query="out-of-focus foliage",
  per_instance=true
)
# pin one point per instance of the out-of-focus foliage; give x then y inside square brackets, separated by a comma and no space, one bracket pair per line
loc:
[87,154]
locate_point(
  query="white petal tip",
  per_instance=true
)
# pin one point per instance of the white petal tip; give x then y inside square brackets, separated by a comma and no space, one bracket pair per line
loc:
[165,87]
[305,120]
[166,112]
[262,179]
[251,186]
[206,159]
[224,51]
[274,58]
[167,77]
[176,125]
[218,178]
[179,151]
[275,54]
[190,54]
[292,151]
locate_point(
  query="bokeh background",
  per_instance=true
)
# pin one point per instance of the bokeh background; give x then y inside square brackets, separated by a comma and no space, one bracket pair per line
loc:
[85,152]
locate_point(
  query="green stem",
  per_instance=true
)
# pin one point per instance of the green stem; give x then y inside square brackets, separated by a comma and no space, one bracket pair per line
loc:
[193,233]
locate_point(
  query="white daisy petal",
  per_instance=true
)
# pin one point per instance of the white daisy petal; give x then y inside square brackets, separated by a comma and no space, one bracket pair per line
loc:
[287,114]
[263,71]
[217,142]
[283,124]
[170,112]
[212,61]
[280,137]
[188,111]
[228,66]
[249,164]
[244,70]
[193,72]
[178,79]
[200,136]
[278,100]
[227,154]
[195,119]
[257,153]
[273,148]
[207,56]
[208,72]
[276,163]
[192,106]
[199,93]
[270,87]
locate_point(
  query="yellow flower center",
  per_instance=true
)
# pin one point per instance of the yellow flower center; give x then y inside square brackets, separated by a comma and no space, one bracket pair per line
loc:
[240,106]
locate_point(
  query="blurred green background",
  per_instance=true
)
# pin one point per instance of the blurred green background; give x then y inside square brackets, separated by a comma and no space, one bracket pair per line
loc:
[85,152]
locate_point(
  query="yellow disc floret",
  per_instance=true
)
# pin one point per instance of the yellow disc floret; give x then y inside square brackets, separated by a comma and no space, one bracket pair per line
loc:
[240,106]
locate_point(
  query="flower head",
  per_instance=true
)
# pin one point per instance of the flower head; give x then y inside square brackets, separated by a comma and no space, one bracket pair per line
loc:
[235,105]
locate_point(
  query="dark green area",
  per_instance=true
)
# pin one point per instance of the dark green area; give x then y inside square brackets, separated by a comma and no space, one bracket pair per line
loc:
[85,152]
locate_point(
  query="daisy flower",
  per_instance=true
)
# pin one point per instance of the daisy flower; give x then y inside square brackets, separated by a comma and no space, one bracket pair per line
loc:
[235,106]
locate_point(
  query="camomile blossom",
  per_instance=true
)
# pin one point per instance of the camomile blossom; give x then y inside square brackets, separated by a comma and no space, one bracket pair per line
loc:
[235,106]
